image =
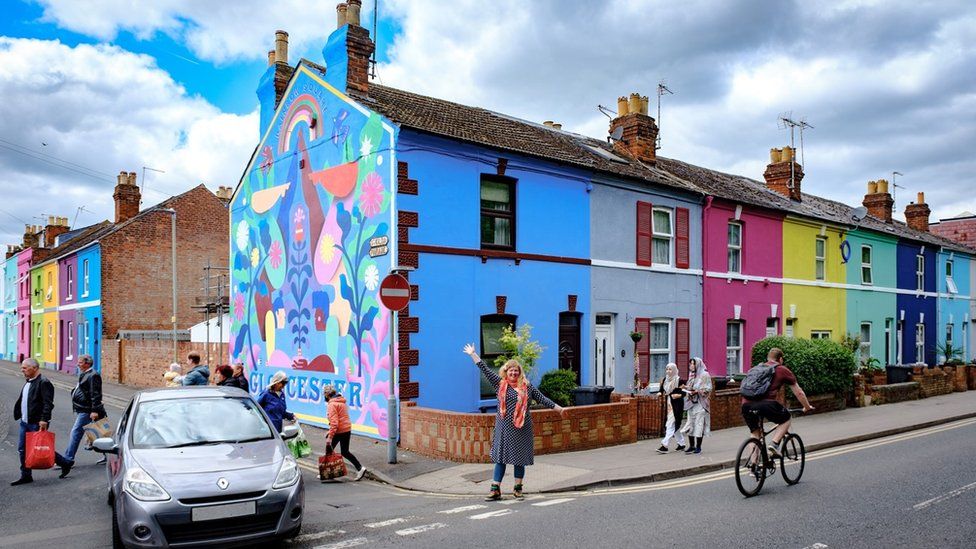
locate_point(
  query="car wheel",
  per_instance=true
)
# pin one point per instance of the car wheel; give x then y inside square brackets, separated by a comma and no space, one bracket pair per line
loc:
[116,537]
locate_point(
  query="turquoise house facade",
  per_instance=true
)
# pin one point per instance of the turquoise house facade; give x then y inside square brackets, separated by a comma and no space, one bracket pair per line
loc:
[872,294]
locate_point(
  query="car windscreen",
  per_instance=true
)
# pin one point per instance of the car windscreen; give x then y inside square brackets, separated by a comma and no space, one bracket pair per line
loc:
[198,421]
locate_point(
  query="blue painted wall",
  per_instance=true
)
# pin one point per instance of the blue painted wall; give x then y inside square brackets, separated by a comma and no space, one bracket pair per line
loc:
[88,320]
[954,307]
[915,305]
[552,218]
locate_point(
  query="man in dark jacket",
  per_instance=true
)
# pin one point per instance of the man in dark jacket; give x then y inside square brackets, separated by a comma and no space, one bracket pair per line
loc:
[239,379]
[33,412]
[199,374]
[86,402]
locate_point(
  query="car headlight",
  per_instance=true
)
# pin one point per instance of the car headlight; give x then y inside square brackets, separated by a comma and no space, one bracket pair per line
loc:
[143,487]
[288,473]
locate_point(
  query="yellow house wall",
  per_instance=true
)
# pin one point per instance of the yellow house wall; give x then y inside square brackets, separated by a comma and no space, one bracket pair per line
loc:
[44,307]
[818,307]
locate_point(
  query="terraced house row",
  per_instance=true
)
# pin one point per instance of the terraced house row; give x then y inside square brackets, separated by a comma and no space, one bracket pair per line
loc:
[71,292]
[499,221]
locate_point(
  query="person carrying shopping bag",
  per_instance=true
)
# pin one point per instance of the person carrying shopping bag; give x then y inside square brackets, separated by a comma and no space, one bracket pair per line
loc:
[512,442]
[340,427]
[672,391]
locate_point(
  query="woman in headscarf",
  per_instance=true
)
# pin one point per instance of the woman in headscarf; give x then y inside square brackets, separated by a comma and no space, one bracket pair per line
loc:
[672,390]
[273,401]
[512,442]
[699,388]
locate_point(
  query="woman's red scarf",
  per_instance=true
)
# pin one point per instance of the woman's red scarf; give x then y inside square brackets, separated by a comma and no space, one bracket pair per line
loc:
[521,406]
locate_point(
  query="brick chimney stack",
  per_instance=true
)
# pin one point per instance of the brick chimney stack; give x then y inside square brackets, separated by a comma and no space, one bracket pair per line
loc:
[878,201]
[917,214]
[12,250]
[638,131]
[56,226]
[283,70]
[32,236]
[783,174]
[348,51]
[127,197]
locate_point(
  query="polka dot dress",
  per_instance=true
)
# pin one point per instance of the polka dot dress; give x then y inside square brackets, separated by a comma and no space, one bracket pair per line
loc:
[509,444]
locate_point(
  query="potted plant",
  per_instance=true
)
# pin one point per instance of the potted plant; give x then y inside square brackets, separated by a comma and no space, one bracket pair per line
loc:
[636,336]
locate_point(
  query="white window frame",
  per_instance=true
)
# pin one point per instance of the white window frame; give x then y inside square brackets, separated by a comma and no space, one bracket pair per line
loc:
[655,235]
[71,341]
[737,368]
[70,281]
[774,327]
[84,264]
[866,344]
[50,337]
[735,249]
[948,336]
[919,272]
[920,343]
[790,329]
[820,334]
[950,283]
[658,350]
[820,261]
[866,267]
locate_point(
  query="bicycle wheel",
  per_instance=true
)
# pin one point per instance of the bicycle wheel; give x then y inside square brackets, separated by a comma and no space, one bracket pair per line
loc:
[750,474]
[793,460]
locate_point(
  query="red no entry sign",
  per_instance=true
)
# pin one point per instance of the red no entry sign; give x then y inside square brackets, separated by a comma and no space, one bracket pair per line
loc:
[395,292]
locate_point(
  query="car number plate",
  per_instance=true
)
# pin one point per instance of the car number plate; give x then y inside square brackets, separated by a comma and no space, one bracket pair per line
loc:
[214,512]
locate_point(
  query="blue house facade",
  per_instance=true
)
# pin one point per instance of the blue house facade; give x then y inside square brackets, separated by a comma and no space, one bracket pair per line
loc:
[955,294]
[917,301]
[8,308]
[82,307]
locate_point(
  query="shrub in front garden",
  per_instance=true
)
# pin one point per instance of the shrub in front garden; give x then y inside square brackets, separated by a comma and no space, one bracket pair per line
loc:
[821,365]
[558,385]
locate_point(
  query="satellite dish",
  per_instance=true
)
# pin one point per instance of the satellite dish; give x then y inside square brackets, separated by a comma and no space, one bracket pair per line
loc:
[617,134]
[858,214]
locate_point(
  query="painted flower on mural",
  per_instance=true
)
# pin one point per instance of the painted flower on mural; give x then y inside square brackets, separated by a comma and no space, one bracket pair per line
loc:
[242,236]
[371,198]
[239,306]
[299,225]
[274,254]
[371,277]
[366,147]
[327,249]
[255,257]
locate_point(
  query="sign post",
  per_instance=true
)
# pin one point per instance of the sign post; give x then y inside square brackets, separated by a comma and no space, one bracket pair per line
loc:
[394,295]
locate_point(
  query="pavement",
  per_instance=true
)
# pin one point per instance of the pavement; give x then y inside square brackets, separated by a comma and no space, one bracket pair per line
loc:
[615,465]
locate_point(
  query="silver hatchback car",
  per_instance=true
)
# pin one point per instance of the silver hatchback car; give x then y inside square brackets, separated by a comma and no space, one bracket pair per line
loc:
[199,466]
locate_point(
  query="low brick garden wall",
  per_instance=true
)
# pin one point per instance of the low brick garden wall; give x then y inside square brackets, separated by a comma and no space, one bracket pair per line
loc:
[934,381]
[896,392]
[465,437]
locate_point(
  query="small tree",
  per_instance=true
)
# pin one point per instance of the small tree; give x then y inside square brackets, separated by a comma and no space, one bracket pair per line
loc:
[518,344]
[558,385]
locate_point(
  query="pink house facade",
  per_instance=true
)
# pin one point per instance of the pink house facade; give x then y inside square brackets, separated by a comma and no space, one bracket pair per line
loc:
[23,303]
[742,297]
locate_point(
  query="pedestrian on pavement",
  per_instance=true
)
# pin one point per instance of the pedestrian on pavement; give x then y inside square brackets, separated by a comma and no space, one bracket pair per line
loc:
[672,390]
[512,442]
[33,412]
[770,408]
[239,379]
[699,389]
[223,375]
[86,403]
[340,427]
[272,400]
[199,374]
[174,375]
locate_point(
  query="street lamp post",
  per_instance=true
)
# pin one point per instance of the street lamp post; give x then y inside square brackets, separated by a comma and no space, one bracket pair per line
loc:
[172,213]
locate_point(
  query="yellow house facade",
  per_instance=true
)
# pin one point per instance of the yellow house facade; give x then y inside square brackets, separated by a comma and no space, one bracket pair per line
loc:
[814,279]
[44,315]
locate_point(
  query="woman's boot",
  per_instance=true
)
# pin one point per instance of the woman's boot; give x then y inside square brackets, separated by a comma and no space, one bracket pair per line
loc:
[495,494]
[518,491]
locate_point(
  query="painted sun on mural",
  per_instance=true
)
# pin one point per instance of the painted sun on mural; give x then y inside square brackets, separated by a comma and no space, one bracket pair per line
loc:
[304,283]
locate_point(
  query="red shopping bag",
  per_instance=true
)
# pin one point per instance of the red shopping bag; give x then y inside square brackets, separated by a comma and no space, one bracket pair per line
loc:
[39,450]
[331,465]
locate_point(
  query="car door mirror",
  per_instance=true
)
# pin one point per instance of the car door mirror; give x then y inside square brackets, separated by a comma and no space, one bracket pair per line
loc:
[290,431]
[105,445]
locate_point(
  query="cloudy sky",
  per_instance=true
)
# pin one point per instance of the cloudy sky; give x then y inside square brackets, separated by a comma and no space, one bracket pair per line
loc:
[92,87]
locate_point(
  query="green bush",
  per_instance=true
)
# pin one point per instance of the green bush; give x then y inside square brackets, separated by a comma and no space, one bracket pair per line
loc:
[558,386]
[821,366]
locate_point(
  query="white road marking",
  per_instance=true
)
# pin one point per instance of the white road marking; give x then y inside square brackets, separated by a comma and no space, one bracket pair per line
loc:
[512,501]
[317,535]
[817,546]
[492,514]
[344,543]
[943,497]
[462,509]
[553,502]
[419,529]
[390,522]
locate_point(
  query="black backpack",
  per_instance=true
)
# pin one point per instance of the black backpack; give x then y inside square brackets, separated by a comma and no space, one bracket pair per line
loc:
[757,381]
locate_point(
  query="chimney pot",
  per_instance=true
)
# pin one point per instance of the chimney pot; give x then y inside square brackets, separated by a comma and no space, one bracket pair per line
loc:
[341,15]
[271,57]
[352,12]
[921,198]
[622,106]
[872,187]
[917,214]
[634,103]
[547,123]
[644,104]
[281,47]
[783,174]
[557,126]
[883,186]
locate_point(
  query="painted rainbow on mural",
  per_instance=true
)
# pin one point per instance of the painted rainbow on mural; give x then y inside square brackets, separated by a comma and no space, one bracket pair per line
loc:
[304,110]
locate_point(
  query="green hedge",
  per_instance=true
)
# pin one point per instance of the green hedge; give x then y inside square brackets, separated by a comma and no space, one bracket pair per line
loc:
[558,386]
[821,366]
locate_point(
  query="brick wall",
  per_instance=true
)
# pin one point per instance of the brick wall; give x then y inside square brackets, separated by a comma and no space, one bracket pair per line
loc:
[971,378]
[110,360]
[136,273]
[896,392]
[142,363]
[650,414]
[932,381]
[960,230]
[959,375]
[467,437]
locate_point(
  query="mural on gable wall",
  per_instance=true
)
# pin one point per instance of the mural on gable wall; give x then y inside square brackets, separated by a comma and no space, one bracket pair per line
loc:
[306,264]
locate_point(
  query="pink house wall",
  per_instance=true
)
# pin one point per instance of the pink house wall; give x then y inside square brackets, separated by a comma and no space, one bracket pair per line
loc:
[23,303]
[762,258]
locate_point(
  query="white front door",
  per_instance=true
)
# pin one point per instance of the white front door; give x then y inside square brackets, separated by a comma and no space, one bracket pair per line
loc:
[603,350]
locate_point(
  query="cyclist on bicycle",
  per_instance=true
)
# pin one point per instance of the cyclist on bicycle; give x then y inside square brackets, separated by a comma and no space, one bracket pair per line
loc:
[769,408]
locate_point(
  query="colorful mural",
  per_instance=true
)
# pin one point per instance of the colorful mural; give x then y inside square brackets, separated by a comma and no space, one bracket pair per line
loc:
[307,224]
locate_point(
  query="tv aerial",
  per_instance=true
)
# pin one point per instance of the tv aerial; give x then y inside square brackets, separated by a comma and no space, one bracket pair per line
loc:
[662,88]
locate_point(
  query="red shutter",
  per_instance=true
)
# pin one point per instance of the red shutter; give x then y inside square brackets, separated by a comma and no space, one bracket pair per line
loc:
[644,233]
[682,349]
[682,259]
[643,325]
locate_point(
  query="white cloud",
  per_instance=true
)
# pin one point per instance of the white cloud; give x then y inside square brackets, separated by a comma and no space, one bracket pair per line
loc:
[109,110]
